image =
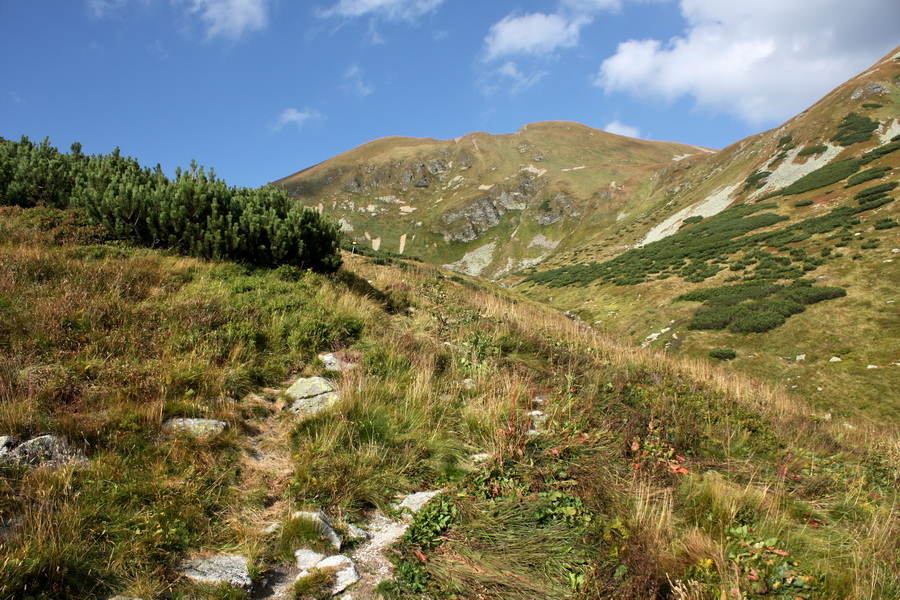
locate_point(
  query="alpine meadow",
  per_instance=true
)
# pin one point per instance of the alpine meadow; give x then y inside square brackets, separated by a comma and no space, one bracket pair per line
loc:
[557,363]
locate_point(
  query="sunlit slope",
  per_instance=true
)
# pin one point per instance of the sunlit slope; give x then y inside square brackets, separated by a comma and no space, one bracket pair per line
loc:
[487,204]
[821,189]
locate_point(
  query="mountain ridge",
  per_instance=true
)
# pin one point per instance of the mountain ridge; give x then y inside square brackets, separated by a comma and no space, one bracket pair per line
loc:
[561,196]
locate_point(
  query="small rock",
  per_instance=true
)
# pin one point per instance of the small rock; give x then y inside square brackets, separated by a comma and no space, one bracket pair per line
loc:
[414,502]
[326,530]
[307,559]
[312,395]
[222,568]
[309,387]
[6,444]
[339,361]
[357,533]
[871,366]
[539,400]
[834,359]
[345,572]
[800,357]
[45,450]
[346,575]
[469,384]
[532,432]
[480,458]
[196,428]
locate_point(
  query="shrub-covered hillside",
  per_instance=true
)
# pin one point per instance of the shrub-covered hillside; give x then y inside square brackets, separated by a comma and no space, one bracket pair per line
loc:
[195,213]
[569,465]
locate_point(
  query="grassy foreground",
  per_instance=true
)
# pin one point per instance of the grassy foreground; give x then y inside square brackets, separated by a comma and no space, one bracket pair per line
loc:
[651,478]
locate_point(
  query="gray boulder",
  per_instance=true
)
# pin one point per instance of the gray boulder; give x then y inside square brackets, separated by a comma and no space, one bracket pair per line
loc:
[194,427]
[222,568]
[44,450]
[312,395]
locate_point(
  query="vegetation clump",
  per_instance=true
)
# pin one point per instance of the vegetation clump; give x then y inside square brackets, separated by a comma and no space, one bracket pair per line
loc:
[755,307]
[855,129]
[812,150]
[867,175]
[194,214]
[723,353]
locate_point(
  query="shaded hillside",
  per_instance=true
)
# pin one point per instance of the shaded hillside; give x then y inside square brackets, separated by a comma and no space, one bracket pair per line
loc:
[489,204]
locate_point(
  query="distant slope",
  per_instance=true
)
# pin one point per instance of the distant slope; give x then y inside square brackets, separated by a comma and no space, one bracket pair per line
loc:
[642,238]
[486,204]
[822,189]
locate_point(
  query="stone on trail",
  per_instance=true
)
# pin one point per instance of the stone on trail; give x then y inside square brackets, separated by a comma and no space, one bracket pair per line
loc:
[307,559]
[222,568]
[195,428]
[312,395]
[324,526]
[414,502]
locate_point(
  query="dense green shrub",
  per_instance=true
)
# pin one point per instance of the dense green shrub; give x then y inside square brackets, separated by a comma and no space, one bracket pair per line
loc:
[812,150]
[785,140]
[755,306]
[825,175]
[800,203]
[875,191]
[885,223]
[195,213]
[854,129]
[723,353]
[867,175]
[756,179]
[877,153]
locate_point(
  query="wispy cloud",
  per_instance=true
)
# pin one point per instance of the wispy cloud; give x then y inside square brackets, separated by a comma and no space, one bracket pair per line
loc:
[230,18]
[760,61]
[619,128]
[392,10]
[515,80]
[292,116]
[103,8]
[355,84]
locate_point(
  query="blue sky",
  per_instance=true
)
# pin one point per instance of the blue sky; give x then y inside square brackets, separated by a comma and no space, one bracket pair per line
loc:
[259,89]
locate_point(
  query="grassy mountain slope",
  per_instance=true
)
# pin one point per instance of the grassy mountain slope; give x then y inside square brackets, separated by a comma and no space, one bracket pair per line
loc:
[618,242]
[506,201]
[653,476]
[829,176]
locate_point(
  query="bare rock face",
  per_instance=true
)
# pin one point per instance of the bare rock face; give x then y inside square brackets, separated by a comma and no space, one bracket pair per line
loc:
[222,568]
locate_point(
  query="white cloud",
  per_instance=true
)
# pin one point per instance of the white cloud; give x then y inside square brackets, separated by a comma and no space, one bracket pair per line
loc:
[354,83]
[761,61]
[619,128]
[230,18]
[533,33]
[292,116]
[515,80]
[103,8]
[393,10]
